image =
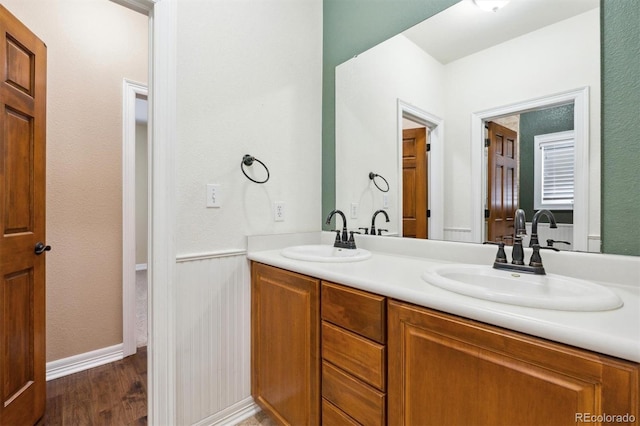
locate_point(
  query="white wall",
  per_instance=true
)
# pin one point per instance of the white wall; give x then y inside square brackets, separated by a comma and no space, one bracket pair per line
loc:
[248,82]
[367,90]
[482,81]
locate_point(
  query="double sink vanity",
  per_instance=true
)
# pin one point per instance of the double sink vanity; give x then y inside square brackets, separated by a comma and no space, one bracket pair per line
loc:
[420,332]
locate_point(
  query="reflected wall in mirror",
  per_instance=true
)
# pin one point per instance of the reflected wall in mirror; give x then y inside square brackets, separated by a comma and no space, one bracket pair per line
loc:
[449,82]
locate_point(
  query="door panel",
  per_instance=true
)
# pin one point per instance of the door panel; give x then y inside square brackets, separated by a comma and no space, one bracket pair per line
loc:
[18,139]
[453,371]
[22,222]
[17,317]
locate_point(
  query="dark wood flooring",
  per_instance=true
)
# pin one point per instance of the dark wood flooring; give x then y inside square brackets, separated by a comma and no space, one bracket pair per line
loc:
[112,394]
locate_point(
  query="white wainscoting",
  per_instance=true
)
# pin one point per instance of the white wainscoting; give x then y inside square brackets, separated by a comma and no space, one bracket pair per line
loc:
[564,232]
[213,360]
[462,235]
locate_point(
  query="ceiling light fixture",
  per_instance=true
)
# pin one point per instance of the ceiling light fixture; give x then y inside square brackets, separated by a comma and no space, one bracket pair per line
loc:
[490,5]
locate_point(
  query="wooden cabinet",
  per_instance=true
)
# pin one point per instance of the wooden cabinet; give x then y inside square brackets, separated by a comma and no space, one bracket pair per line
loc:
[328,354]
[353,356]
[445,370]
[285,345]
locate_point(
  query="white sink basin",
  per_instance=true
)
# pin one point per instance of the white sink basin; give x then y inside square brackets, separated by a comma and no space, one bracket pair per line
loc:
[325,253]
[516,288]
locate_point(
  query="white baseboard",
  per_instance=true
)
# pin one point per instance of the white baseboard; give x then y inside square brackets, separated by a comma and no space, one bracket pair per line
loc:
[75,364]
[233,415]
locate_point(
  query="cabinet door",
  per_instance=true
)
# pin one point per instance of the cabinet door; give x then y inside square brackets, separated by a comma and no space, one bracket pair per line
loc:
[444,370]
[285,345]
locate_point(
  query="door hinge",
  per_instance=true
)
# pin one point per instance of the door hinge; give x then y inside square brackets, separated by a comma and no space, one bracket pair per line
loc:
[487,142]
[428,213]
[487,213]
[428,147]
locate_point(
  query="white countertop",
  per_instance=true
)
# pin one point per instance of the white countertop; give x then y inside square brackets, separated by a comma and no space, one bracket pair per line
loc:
[396,275]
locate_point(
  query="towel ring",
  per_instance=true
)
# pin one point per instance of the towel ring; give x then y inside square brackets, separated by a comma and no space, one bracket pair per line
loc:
[248,160]
[373,177]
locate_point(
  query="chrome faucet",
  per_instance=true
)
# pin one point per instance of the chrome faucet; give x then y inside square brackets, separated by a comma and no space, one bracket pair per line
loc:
[534,225]
[373,220]
[342,241]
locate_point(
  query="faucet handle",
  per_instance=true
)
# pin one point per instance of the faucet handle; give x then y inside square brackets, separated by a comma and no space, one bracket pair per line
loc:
[501,256]
[338,239]
[352,242]
[535,260]
[551,242]
[366,231]
[382,230]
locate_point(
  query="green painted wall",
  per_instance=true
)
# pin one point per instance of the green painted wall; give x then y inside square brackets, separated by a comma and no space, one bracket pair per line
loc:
[353,26]
[621,126]
[550,120]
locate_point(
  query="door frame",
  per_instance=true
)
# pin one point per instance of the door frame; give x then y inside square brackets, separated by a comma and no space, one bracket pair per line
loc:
[580,99]
[131,90]
[435,193]
[161,389]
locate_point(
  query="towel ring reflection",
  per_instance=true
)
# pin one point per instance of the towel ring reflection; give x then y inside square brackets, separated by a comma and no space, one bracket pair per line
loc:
[248,160]
[373,177]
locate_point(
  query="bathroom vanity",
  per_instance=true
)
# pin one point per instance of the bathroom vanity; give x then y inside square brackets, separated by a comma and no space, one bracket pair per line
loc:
[350,344]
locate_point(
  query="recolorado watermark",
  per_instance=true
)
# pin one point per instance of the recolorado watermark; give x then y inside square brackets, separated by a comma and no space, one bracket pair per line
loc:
[605,418]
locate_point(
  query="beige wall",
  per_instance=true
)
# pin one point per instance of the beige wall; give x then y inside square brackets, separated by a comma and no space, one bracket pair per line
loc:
[92,45]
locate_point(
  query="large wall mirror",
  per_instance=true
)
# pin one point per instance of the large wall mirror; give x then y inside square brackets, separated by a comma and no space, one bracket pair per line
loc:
[419,108]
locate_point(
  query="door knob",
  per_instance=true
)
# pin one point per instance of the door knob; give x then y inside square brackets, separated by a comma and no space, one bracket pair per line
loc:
[41,248]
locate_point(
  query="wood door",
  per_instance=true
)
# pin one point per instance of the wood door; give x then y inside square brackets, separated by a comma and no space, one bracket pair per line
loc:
[502,192]
[285,344]
[22,219]
[445,370]
[414,183]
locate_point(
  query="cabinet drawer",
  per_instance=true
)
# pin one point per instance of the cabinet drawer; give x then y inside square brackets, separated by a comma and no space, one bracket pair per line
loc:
[333,416]
[357,311]
[361,357]
[363,403]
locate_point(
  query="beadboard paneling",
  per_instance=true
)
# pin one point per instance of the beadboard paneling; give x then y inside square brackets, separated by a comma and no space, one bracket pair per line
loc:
[462,235]
[213,335]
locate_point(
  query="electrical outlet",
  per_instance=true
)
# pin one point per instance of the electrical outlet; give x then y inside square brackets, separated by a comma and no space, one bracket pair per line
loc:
[385,201]
[278,211]
[354,210]
[214,195]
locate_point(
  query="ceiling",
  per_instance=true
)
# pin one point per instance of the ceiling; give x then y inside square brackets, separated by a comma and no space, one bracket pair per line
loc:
[464,29]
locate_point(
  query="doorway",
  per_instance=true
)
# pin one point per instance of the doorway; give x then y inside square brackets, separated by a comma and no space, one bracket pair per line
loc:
[415,181]
[432,180]
[135,213]
[580,117]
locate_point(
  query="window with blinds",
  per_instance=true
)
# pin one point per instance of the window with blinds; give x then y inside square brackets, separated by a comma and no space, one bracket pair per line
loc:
[554,165]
